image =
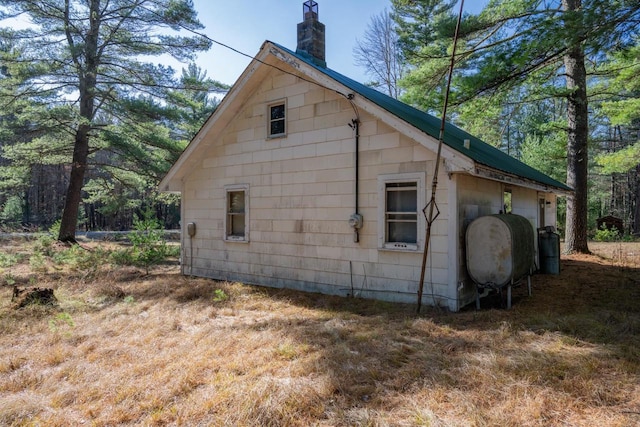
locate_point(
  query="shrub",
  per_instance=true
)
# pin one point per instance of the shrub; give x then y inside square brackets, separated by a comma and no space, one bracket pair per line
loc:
[149,245]
[605,234]
[9,280]
[219,295]
[11,212]
[37,263]
[9,260]
[44,245]
[123,257]
[173,251]
[83,260]
[54,230]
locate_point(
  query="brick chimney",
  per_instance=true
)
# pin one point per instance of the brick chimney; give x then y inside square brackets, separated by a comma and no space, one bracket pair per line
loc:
[311,34]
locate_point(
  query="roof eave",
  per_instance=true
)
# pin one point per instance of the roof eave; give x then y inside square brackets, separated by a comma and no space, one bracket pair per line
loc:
[457,161]
[508,178]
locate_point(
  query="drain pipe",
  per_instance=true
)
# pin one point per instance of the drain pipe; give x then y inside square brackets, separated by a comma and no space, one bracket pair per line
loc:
[355,221]
[356,125]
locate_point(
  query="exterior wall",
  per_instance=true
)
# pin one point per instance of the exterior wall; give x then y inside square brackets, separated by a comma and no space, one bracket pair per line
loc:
[550,210]
[525,203]
[301,191]
[478,197]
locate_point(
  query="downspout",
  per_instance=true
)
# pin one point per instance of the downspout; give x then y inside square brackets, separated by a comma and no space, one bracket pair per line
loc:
[356,125]
[356,220]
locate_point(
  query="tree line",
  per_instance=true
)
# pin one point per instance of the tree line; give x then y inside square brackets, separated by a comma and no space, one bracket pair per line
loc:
[88,122]
[555,83]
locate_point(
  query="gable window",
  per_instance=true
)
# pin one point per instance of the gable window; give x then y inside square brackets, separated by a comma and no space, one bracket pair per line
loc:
[237,213]
[400,201]
[277,123]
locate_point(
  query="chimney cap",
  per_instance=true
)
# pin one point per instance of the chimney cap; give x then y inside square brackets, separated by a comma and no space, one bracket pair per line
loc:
[310,9]
[311,35]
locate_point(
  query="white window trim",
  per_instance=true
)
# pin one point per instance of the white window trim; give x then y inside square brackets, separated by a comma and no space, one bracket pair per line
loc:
[268,115]
[227,190]
[419,178]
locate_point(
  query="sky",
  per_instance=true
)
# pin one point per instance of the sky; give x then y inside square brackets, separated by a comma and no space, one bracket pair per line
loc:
[245,25]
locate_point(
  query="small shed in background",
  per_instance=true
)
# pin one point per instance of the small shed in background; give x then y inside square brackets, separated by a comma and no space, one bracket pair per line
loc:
[610,222]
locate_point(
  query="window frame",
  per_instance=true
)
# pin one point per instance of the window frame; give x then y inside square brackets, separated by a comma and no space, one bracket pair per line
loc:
[417,178]
[507,200]
[283,103]
[235,188]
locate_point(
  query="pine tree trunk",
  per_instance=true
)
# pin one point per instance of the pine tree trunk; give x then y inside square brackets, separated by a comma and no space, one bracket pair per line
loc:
[73,198]
[635,203]
[578,131]
[87,64]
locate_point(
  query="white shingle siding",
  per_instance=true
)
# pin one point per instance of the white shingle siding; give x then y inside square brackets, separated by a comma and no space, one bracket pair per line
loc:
[301,196]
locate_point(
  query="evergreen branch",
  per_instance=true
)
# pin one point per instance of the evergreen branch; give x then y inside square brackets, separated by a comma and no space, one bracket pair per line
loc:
[70,41]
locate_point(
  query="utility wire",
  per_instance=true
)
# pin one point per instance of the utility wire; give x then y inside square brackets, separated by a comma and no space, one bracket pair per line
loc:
[349,97]
[255,58]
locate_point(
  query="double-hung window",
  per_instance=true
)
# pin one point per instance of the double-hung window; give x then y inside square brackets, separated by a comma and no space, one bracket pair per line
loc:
[236,224]
[401,199]
[401,212]
[277,120]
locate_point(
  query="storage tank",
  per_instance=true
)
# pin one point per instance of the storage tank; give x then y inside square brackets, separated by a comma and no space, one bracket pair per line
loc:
[500,248]
[549,250]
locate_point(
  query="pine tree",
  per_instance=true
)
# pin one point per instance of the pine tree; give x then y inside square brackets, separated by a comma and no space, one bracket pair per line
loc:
[87,56]
[514,43]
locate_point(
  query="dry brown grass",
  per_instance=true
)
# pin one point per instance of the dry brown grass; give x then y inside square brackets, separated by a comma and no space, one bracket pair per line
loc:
[123,348]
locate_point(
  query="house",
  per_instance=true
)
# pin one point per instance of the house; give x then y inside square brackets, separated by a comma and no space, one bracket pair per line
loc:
[306,179]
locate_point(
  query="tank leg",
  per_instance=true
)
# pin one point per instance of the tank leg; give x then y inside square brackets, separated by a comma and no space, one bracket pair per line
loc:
[529,284]
[477,298]
[509,295]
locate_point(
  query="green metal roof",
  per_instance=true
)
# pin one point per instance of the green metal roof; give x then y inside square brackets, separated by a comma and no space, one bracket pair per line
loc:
[454,137]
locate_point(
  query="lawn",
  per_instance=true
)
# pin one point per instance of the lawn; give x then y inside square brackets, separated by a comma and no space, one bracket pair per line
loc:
[126,348]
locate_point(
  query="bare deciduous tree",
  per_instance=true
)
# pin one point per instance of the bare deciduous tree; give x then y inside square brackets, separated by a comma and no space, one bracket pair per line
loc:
[380,55]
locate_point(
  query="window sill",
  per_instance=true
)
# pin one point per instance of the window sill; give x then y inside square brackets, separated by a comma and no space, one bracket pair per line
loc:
[236,240]
[278,136]
[400,247]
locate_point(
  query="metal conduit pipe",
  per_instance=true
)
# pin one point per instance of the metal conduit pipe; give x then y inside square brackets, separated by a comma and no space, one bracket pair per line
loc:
[355,221]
